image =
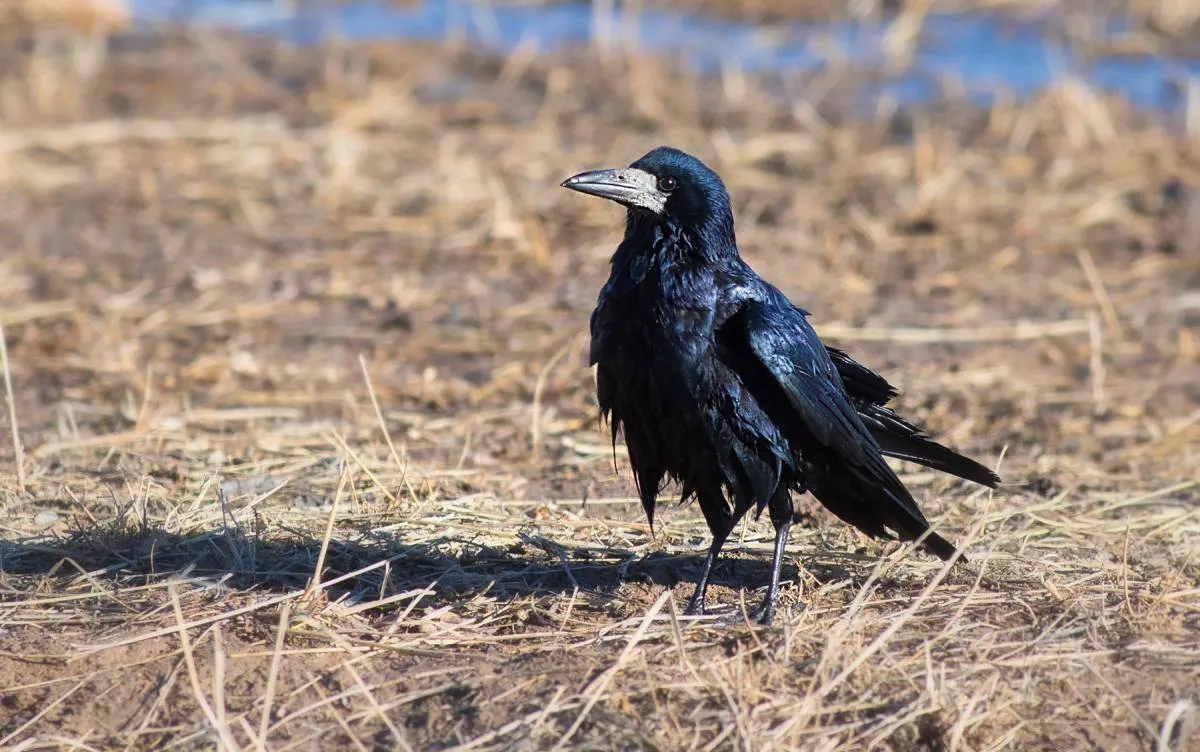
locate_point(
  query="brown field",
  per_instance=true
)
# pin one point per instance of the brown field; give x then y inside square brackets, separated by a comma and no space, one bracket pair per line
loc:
[308,455]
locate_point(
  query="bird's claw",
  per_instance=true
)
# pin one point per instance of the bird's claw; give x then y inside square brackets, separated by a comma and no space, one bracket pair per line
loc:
[764,614]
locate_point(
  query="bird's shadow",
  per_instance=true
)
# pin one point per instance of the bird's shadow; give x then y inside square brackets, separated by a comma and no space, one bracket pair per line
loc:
[370,565]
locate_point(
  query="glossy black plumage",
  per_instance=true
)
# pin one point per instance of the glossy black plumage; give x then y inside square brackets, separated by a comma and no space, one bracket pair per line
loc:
[717,380]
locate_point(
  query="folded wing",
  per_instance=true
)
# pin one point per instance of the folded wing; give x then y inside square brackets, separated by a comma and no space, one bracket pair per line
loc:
[869,393]
[786,368]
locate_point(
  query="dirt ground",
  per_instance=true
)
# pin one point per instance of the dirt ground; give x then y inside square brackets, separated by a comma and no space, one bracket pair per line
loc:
[310,454]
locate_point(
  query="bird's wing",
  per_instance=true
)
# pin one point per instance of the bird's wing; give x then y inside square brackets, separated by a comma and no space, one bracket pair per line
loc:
[780,356]
[869,393]
[861,382]
[786,368]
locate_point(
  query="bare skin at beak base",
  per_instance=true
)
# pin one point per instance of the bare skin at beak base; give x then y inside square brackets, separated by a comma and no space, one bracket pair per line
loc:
[625,185]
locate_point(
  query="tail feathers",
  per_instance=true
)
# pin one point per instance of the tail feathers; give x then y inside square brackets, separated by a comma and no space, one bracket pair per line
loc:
[910,527]
[900,439]
[878,506]
[940,547]
[933,455]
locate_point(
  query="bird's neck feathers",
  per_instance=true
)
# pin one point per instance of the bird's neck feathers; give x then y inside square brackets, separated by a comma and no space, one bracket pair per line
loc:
[668,240]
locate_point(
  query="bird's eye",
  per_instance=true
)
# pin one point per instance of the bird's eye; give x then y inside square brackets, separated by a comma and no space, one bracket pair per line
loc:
[666,184]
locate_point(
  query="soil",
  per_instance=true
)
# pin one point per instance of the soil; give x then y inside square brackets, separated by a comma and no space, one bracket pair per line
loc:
[222,254]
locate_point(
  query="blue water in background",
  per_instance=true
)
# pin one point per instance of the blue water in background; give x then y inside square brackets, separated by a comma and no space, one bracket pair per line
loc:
[981,53]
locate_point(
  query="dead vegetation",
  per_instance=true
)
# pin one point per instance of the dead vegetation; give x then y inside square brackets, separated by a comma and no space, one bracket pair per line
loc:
[81,16]
[308,454]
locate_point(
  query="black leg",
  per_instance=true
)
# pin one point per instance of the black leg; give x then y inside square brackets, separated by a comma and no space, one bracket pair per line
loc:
[766,612]
[696,602]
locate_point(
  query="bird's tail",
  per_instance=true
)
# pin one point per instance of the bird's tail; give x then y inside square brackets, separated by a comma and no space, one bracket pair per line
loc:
[902,440]
[876,504]
[940,547]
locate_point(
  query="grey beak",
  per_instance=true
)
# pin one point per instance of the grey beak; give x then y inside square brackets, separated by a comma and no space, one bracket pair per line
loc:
[623,184]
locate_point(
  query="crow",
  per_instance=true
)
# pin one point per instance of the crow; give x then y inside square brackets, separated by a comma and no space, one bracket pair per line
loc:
[718,382]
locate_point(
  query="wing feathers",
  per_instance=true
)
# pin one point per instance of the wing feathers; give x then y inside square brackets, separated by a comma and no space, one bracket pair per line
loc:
[848,473]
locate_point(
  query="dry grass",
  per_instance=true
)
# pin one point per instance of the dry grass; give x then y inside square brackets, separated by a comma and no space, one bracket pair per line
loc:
[310,454]
[83,16]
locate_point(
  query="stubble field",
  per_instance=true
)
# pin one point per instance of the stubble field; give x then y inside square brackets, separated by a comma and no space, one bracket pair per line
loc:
[308,452]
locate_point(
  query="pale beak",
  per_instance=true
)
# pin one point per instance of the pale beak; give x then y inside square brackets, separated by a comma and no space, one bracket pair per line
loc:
[625,185]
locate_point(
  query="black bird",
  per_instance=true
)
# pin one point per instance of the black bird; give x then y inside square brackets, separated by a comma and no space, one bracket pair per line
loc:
[718,381]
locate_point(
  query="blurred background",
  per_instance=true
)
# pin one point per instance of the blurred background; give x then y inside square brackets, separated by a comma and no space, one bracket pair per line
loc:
[293,282]
[333,178]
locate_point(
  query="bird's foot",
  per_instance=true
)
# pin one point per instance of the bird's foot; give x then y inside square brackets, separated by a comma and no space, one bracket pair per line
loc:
[695,606]
[764,614]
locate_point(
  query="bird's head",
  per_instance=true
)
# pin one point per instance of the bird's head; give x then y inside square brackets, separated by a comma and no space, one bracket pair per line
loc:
[666,185]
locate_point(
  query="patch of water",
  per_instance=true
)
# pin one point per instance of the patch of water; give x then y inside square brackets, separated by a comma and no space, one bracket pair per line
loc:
[983,53]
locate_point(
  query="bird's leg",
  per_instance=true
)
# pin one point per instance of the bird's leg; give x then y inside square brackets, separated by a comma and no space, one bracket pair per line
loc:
[696,602]
[766,612]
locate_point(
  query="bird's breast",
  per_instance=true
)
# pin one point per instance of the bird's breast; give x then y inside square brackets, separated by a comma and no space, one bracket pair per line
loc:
[659,336]
[650,338]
